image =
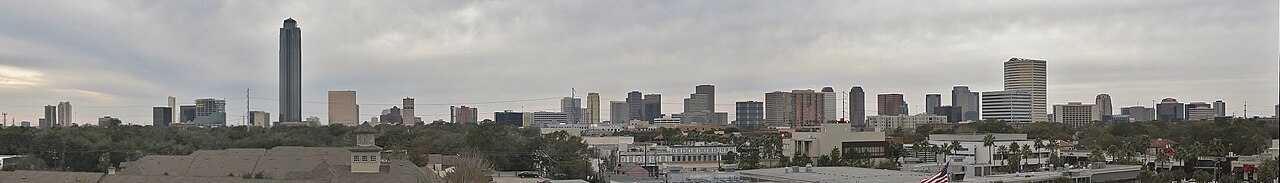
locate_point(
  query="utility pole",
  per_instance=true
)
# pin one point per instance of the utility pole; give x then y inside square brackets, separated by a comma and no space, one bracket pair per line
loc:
[5,118]
[247,123]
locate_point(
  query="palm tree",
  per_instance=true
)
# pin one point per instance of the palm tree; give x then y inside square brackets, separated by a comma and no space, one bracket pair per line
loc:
[989,141]
[1039,145]
[1002,150]
[1026,152]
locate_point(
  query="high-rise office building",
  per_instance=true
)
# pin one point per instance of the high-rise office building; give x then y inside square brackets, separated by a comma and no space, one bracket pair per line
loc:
[778,109]
[695,109]
[394,116]
[1139,113]
[1022,74]
[890,104]
[1103,101]
[635,106]
[546,118]
[593,108]
[931,102]
[749,113]
[710,91]
[64,114]
[210,112]
[967,101]
[794,109]
[187,113]
[619,112]
[290,72]
[1007,106]
[343,109]
[1169,110]
[1076,114]
[652,106]
[857,106]
[508,118]
[1220,108]
[464,114]
[261,119]
[1199,111]
[50,117]
[829,104]
[161,116]
[572,107]
[953,113]
[173,107]
[407,114]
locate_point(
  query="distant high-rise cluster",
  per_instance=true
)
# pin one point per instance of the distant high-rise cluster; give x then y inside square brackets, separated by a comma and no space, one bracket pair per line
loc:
[966,101]
[794,109]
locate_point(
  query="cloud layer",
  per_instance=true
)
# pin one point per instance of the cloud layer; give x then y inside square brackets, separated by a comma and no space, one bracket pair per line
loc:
[120,57]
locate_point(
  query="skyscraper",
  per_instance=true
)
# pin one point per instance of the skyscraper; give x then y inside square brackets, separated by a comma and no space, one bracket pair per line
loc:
[953,114]
[1103,101]
[710,91]
[966,101]
[508,118]
[619,112]
[635,106]
[857,106]
[290,72]
[889,104]
[794,109]
[652,106]
[173,107]
[210,112]
[343,109]
[1007,106]
[749,113]
[187,113]
[572,107]
[778,109]
[1170,110]
[1022,74]
[1220,108]
[64,114]
[593,107]
[464,114]
[931,102]
[50,117]
[406,111]
[161,116]
[829,104]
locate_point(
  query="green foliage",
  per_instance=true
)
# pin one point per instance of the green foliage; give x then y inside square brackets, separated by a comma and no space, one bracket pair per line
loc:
[730,158]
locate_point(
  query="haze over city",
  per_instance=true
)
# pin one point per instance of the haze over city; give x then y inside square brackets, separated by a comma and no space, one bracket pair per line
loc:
[120,58]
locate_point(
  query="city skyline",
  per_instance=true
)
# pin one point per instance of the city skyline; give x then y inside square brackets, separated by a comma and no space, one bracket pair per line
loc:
[217,54]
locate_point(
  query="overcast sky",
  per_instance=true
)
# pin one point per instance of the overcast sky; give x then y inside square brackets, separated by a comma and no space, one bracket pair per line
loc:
[119,58]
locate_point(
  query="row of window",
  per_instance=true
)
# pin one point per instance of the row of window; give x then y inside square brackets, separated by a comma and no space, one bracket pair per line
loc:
[361,158]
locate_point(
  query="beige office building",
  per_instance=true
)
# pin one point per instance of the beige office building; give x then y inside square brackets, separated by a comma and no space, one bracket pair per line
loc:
[406,111]
[593,108]
[343,109]
[1022,74]
[1076,113]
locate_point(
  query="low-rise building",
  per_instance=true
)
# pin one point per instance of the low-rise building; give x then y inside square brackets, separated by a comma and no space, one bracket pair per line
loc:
[695,157]
[973,151]
[835,135]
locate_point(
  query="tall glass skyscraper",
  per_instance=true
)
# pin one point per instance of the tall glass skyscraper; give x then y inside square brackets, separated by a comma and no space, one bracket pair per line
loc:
[290,72]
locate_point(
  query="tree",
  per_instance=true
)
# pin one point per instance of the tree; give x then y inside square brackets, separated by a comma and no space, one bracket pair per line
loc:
[730,158]
[989,141]
[470,167]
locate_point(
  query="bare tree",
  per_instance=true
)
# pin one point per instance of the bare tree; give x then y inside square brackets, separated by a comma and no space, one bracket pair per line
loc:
[470,167]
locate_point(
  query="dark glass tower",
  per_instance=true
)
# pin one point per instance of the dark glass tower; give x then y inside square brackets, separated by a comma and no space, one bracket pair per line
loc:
[290,72]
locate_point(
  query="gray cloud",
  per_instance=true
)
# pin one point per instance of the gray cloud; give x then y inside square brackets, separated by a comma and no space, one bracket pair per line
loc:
[113,57]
